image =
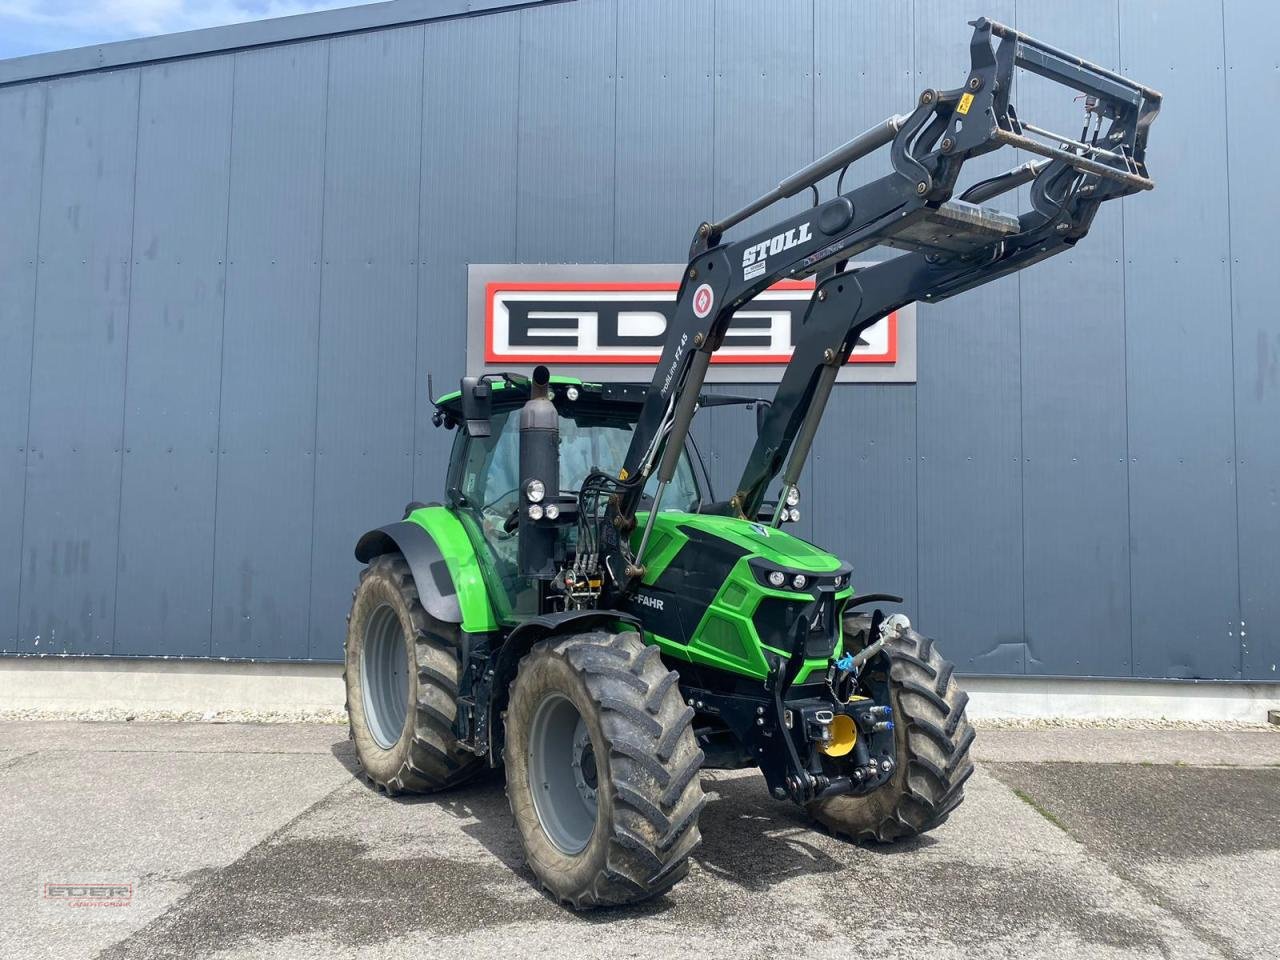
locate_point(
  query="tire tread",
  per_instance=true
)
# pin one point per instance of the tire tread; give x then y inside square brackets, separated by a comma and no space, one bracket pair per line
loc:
[654,759]
[933,754]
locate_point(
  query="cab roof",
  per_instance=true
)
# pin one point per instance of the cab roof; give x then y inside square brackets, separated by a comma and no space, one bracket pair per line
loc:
[511,389]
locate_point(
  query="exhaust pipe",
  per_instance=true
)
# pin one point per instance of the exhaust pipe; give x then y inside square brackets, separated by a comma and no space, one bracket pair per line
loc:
[539,479]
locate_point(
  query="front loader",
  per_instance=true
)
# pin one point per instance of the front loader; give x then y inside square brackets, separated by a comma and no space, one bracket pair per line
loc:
[581,610]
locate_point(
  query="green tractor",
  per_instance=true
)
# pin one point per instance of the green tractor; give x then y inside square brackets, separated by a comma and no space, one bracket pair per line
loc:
[580,609]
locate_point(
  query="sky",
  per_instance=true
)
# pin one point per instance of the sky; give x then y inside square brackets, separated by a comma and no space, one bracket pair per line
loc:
[36,26]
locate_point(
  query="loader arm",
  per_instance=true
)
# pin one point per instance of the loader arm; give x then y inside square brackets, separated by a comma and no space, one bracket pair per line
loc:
[845,304]
[1065,196]
[954,245]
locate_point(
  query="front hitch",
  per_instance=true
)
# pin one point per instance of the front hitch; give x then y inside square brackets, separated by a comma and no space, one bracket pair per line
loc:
[816,724]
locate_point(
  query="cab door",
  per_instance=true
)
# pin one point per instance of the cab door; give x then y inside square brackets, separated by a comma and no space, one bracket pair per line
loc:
[484,487]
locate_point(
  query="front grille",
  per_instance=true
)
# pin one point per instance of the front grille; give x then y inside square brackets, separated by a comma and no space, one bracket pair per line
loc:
[775,621]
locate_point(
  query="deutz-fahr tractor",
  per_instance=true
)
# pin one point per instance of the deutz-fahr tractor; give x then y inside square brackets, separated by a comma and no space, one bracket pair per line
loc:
[580,610]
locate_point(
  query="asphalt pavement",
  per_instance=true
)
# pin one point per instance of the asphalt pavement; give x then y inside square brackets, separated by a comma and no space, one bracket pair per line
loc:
[240,840]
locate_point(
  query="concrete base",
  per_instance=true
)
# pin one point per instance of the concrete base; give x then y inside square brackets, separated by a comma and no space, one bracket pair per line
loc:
[94,686]
[157,686]
[1086,699]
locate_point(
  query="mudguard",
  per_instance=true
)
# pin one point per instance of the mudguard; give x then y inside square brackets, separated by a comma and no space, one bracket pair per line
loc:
[443,564]
[519,642]
[534,629]
[430,572]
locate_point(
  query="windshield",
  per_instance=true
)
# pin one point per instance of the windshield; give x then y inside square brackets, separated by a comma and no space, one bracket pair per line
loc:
[488,477]
[587,442]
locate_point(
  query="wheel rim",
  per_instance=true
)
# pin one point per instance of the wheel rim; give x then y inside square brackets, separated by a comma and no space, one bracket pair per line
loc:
[563,774]
[385,670]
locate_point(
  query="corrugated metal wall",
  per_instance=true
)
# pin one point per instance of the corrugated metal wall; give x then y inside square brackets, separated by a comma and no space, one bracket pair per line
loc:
[223,281]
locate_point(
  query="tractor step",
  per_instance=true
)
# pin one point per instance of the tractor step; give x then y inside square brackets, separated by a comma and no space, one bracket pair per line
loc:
[955,227]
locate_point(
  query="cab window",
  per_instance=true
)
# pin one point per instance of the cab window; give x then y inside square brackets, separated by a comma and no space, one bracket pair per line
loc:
[489,476]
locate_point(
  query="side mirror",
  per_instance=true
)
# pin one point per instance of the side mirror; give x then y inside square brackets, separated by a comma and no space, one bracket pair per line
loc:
[762,411]
[477,406]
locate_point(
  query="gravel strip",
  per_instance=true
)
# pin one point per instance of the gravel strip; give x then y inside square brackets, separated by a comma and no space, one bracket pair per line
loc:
[1074,723]
[338,717]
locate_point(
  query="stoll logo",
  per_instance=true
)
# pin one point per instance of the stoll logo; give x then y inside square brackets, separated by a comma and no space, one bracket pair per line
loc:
[609,322]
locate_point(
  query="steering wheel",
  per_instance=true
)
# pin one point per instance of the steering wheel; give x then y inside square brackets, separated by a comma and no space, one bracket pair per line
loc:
[499,498]
[497,523]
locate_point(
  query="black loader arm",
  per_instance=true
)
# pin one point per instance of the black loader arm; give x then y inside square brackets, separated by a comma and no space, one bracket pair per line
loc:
[952,245]
[964,244]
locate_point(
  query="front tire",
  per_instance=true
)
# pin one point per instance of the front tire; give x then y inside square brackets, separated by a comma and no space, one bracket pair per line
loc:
[402,673]
[602,769]
[932,737]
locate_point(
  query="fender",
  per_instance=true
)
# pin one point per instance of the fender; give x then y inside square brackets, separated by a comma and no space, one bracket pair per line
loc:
[523,637]
[430,572]
[443,564]
[520,641]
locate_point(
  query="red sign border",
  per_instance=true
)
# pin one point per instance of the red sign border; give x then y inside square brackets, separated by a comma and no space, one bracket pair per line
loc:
[493,288]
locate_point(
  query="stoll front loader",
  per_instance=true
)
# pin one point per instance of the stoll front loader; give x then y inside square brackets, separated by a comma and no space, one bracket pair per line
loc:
[582,612]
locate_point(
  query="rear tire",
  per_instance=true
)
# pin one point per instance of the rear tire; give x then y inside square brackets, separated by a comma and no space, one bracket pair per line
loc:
[402,673]
[602,769]
[932,737]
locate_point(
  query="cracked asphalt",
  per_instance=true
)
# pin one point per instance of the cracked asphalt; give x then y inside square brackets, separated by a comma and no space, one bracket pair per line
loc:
[239,840]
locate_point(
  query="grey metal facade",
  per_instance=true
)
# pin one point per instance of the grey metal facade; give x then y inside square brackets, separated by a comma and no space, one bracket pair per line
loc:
[224,277]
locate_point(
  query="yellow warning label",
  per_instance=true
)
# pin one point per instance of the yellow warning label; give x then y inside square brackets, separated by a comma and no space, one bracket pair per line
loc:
[623,474]
[966,102]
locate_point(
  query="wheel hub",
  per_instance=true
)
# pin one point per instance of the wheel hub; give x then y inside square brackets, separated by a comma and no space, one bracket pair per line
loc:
[584,764]
[384,678]
[564,778]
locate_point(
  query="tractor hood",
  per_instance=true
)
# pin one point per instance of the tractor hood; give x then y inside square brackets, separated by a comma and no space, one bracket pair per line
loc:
[672,529]
[711,593]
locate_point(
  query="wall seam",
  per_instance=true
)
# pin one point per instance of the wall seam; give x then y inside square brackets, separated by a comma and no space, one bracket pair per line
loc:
[616,83]
[915,387]
[809,481]
[515,232]
[315,411]
[810,476]
[715,130]
[222,341]
[1022,428]
[31,362]
[128,329]
[418,269]
[1124,326]
[813,80]
[1231,316]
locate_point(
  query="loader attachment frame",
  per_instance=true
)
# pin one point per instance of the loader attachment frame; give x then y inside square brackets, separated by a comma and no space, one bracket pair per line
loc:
[952,245]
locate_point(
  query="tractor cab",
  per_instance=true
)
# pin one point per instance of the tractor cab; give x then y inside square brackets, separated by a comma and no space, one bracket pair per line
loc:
[498,503]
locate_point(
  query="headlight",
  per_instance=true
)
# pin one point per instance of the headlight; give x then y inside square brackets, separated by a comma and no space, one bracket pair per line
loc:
[799,581]
[777,578]
[793,515]
[535,490]
[552,511]
[571,393]
[535,511]
[793,496]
